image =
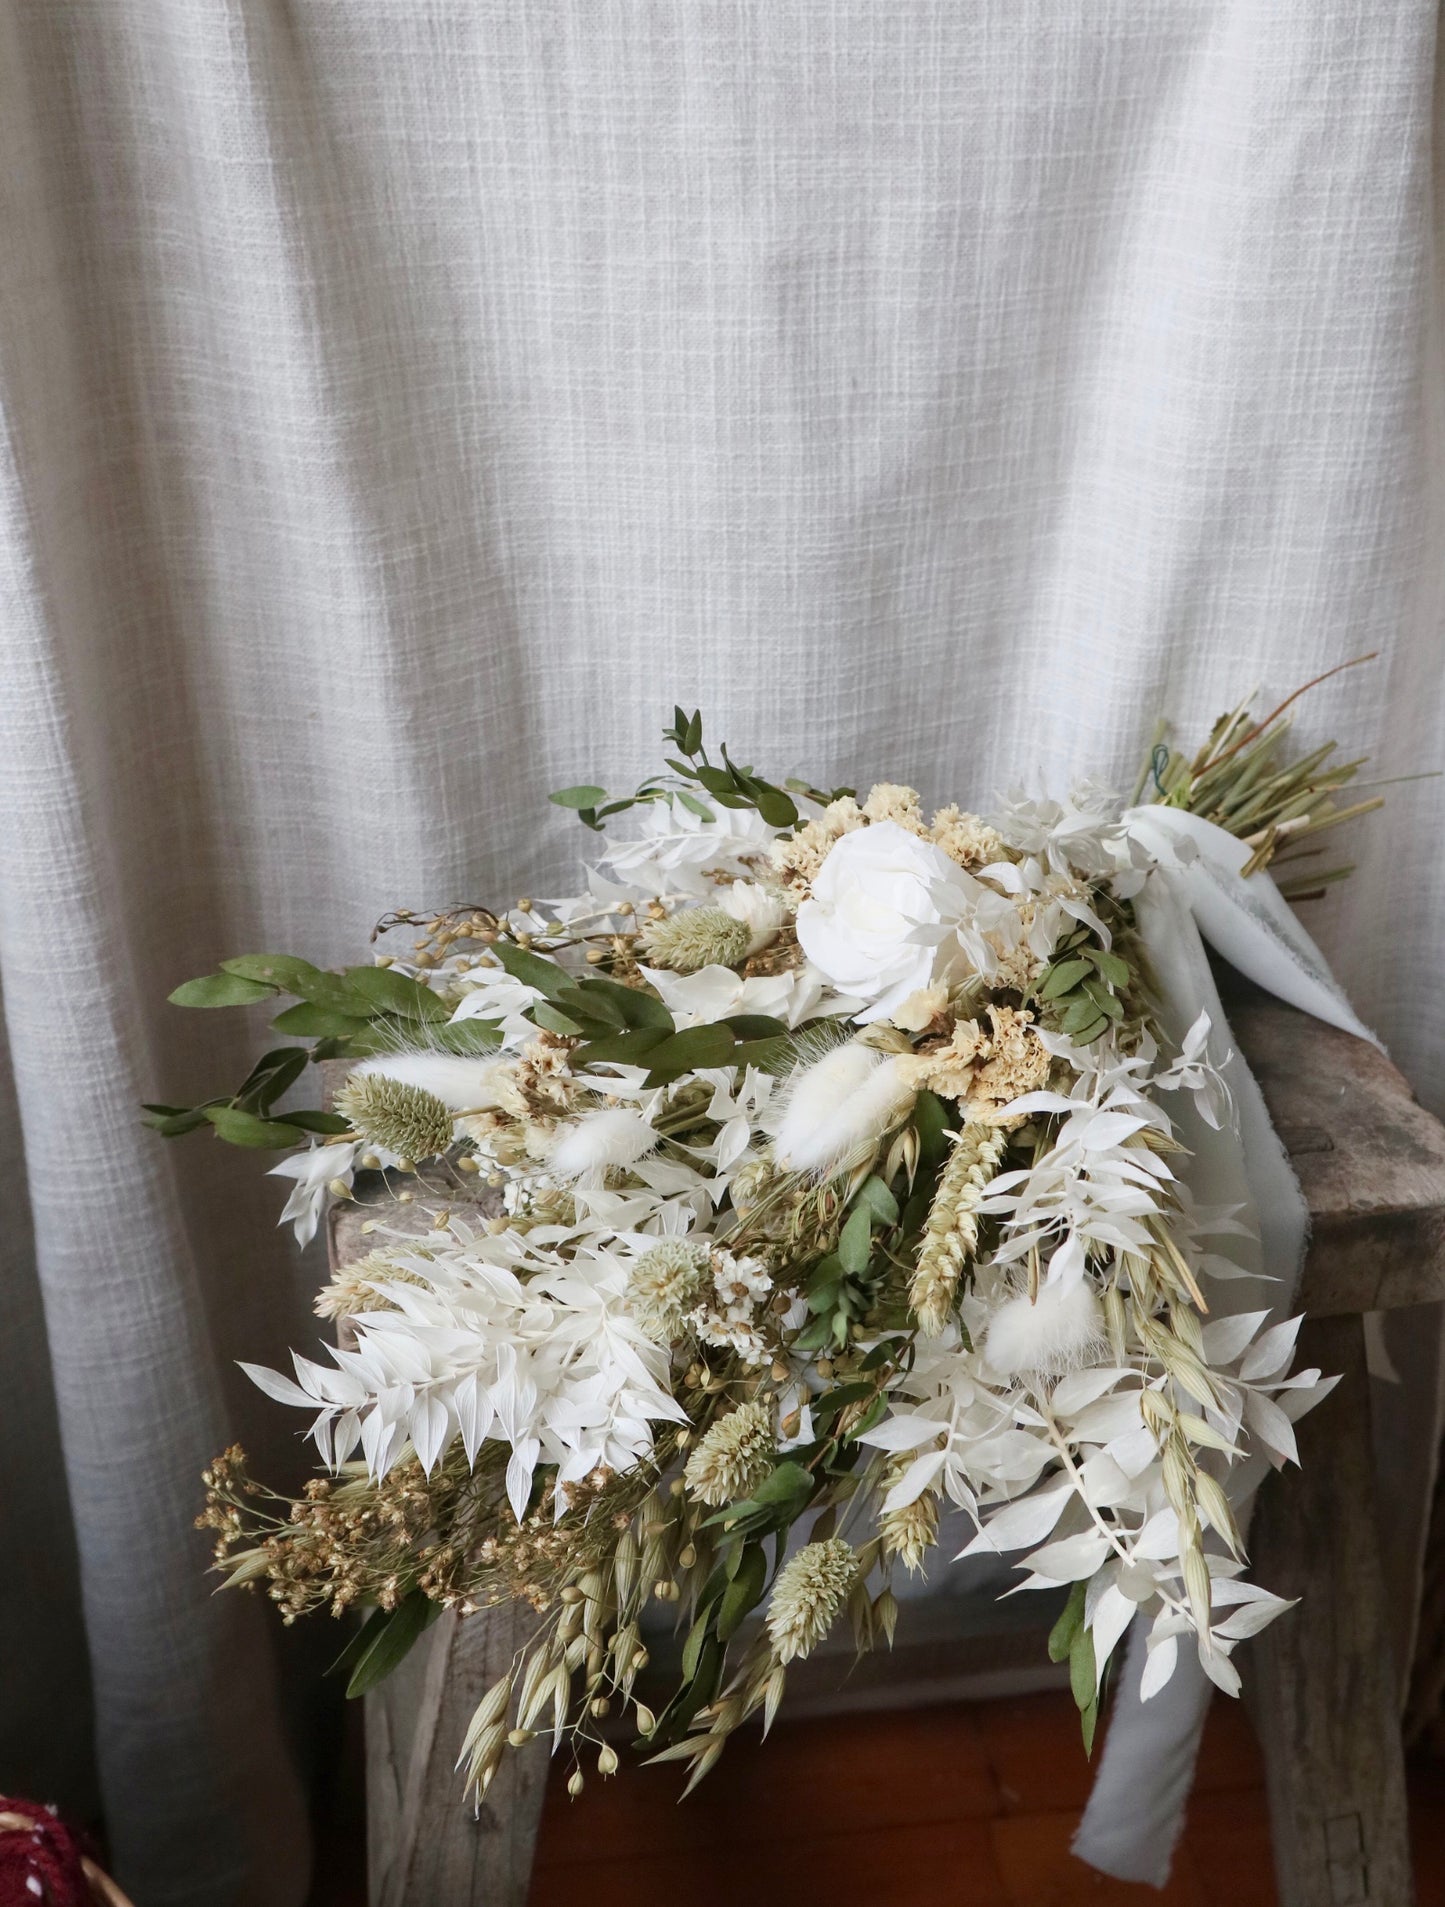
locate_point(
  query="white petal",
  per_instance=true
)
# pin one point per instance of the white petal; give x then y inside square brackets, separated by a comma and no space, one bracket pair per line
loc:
[1072,1559]
[279,1387]
[1162,1661]
[1112,1617]
[1017,1525]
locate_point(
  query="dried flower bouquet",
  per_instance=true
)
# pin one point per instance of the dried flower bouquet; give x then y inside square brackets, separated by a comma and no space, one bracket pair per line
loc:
[834,1170]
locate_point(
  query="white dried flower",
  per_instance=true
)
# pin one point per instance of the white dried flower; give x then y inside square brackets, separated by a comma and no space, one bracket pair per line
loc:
[555,1367]
[733,1456]
[741,1286]
[760,912]
[611,1136]
[1056,1331]
[837,1109]
[810,1590]
[920,1009]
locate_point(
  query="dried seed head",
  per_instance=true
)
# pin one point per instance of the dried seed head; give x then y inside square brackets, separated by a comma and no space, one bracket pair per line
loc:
[695,938]
[404,1119]
[733,1457]
[665,1283]
[810,1590]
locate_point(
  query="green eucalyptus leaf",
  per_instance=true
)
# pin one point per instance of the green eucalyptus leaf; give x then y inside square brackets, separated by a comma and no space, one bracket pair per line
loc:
[619,1049]
[386,990]
[327,1123]
[1104,1000]
[291,975]
[240,1128]
[1114,970]
[875,1195]
[1083,1679]
[631,1006]
[1071,1620]
[777,809]
[270,1077]
[1063,978]
[171,1122]
[466,1036]
[932,1123]
[785,1483]
[1081,1012]
[826,1407]
[547,1014]
[221,989]
[871,1416]
[697,1047]
[531,968]
[756,1026]
[322,1022]
[584,795]
[768,1056]
[855,1244]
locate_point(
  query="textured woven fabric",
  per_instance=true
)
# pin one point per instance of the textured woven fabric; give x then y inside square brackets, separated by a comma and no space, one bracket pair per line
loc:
[402,405]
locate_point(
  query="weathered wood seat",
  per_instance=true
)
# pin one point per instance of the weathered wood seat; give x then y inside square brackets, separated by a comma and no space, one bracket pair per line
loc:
[1324,1686]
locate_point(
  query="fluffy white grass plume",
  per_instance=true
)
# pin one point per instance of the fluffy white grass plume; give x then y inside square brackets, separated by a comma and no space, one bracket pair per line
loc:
[1058,1331]
[464,1084]
[613,1135]
[837,1109]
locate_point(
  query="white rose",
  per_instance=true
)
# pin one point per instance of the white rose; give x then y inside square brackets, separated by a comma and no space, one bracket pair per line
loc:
[879,922]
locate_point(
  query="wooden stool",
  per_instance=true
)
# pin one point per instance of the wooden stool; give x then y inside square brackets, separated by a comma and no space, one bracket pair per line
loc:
[1324,1685]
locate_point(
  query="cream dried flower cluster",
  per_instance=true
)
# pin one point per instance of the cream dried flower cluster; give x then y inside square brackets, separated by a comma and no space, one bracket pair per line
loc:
[830,1178]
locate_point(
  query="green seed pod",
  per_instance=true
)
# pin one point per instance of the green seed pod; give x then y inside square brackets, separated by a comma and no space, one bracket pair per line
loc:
[405,1119]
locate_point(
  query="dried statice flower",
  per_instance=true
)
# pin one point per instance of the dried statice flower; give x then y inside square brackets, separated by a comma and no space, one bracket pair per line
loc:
[697,937]
[733,1456]
[811,1588]
[664,1285]
[966,839]
[947,1069]
[401,1118]
[950,1238]
[1015,1061]
[892,801]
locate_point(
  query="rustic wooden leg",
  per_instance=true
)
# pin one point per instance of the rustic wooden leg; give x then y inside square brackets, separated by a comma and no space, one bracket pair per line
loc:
[425,1845]
[1324,1680]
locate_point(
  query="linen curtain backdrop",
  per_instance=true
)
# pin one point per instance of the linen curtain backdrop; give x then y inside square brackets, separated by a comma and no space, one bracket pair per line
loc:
[402,405]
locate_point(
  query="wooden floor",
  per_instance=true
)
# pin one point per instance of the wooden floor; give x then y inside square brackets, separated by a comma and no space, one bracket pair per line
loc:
[972,1806]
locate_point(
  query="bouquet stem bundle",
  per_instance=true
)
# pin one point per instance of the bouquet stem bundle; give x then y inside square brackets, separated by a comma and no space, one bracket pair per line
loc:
[837,1184]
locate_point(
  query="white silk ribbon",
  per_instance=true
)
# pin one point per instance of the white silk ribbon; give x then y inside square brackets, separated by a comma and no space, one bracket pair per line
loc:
[1196,892]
